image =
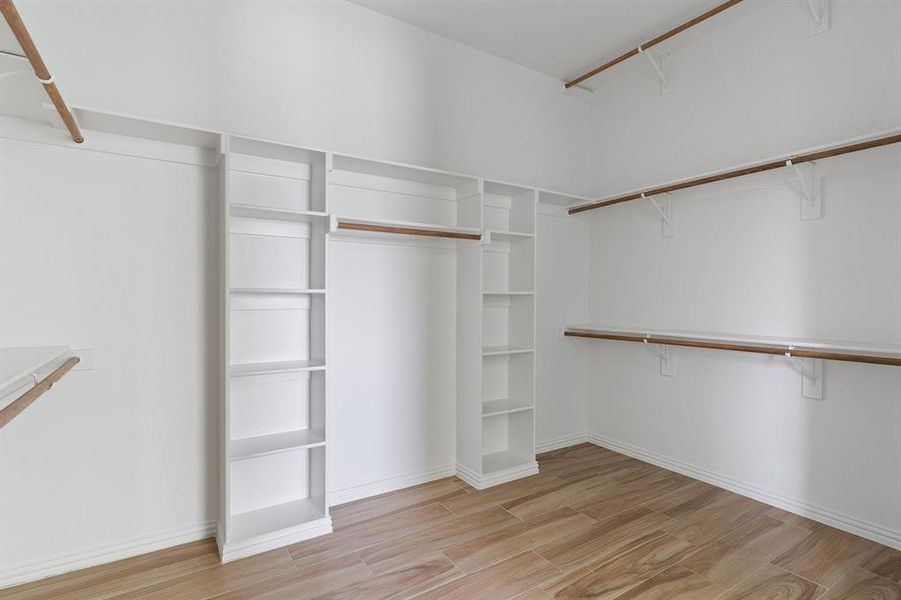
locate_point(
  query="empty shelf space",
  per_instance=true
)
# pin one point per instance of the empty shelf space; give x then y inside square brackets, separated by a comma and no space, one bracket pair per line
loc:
[500,461]
[276,442]
[502,407]
[276,214]
[276,367]
[252,290]
[499,350]
[277,517]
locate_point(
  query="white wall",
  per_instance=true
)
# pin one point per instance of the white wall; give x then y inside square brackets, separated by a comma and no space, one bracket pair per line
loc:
[743,262]
[117,254]
[562,367]
[322,74]
[128,245]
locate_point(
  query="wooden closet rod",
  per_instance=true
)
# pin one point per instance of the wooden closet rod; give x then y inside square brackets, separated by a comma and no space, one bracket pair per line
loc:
[11,14]
[408,230]
[12,410]
[759,168]
[738,346]
[699,19]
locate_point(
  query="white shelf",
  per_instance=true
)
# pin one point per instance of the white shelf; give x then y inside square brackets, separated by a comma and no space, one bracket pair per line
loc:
[501,461]
[18,364]
[276,214]
[287,366]
[501,350]
[503,406]
[276,442]
[507,293]
[494,234]
[277,517]
[251,290]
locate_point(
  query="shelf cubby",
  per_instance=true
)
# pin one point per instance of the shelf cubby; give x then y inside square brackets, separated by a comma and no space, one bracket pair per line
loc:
[507,441]
[265,500]
[276,328]
[276,410]
[508,265]
[507,322]
[509,209]
[272,254]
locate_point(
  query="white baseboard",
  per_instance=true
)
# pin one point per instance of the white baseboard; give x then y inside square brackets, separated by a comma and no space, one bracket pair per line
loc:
[481,482]
[98,555]
[561,442]
[847,523]
[382,486]
[230,551]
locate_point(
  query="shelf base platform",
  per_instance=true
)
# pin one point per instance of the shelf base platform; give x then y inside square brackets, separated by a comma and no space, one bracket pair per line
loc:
[527,468]
[273,527]
[230,551]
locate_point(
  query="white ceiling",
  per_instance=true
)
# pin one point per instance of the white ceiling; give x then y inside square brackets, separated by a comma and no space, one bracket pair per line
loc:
[560,38]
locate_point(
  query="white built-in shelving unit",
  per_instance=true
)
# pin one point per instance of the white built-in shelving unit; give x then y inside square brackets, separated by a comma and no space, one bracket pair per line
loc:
[496,341]
[274,353]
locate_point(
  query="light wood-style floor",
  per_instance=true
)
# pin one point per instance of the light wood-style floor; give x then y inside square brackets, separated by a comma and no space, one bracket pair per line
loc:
[593,524]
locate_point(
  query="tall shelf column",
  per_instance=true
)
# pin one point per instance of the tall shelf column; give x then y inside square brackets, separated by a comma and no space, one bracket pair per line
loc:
[274,388]
[496,341]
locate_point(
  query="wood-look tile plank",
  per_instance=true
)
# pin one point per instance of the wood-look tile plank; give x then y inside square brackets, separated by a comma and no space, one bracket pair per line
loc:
[402,583]
[532,505]
[534,594]
[688,499]
[492,497]
[744,550]
[427,543]
[570,453]
[240,574]
[826,555]
[591,465]
[772,582]
[370,532]
[713,521]
[792,519]
[618,497]
[302,584]
[675,583]
[502,581]
[609,538]
[130,574]
[513,540]
[885,563]
[859,584]
[621,573]
[345,515]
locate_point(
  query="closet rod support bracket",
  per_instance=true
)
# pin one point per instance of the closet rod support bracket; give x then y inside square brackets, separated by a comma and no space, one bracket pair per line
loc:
[667,214]
[809,189]
[812,372]
[667,356]
[818,20]
[660,62]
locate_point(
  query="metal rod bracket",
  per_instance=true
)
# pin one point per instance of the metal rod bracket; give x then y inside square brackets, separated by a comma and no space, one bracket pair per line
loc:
[667,356]
[812,372]
[661,64]
[809,189]
[667,214]
[819,17]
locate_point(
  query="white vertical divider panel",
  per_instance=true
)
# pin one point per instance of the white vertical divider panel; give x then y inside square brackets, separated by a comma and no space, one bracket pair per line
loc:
[274,347]
[496,341]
